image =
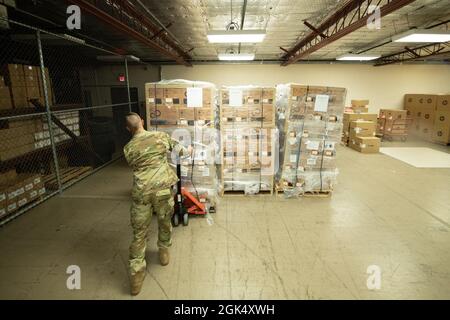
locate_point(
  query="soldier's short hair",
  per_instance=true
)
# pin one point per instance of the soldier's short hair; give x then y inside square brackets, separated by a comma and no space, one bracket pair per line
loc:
[133,121]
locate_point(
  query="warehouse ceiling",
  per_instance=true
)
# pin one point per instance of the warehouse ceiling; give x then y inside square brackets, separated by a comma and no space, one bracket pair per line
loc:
[283,20]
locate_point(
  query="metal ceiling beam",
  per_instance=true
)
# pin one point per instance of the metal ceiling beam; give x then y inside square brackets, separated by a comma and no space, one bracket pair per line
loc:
[353,15]
[119,15]
[423,52]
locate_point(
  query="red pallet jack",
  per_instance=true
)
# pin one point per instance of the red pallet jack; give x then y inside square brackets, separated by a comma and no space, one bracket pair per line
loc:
[186,204]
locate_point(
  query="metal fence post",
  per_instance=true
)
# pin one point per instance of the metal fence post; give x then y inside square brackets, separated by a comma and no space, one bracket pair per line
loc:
[128,84]
[47,108]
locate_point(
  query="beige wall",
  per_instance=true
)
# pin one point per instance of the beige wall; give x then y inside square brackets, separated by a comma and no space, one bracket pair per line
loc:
[384,86]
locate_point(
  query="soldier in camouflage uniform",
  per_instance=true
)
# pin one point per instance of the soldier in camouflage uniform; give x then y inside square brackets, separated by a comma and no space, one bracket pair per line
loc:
[147,153]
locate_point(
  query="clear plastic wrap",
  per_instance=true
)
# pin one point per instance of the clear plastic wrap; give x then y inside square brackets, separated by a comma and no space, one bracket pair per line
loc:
[310,130]
[169,110]
[249,139]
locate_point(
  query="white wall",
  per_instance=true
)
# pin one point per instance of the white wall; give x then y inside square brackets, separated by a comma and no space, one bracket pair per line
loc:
[385,86]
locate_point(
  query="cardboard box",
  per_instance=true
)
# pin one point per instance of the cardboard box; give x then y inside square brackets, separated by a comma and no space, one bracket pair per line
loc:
[349,117]
[360,103]
[443,103]
[428,113]
[360,109]
[5,99]
[365,144]
[420,100]
[2,81]
[362,129]
[441,134]
[163,114]
[187,114]
[390,114]
[16,141]
[33,93]
[31,71]
[19,96]
[441,128]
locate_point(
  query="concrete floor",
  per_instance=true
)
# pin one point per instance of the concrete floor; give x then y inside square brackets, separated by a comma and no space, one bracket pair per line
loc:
[383,212]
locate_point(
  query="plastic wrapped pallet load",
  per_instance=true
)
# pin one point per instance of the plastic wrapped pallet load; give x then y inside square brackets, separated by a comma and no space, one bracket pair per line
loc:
[248,139]
[309,119]
[186,110]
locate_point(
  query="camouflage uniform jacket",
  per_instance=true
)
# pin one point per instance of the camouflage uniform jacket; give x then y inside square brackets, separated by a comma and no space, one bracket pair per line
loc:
[146,153]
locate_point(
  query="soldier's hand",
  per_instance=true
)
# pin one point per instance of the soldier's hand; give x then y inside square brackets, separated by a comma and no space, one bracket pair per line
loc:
[190,150]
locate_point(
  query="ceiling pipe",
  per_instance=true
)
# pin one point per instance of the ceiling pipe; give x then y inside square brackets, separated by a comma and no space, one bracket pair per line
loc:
[244,10]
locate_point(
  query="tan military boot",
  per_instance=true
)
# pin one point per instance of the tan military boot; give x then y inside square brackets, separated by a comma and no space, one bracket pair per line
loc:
[164,256]
[137,280]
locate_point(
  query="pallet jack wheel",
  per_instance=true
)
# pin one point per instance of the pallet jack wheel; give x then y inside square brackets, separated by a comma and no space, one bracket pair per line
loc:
[176,220]
[185,219]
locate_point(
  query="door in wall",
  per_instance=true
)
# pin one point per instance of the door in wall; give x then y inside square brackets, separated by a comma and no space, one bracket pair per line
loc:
[119,95]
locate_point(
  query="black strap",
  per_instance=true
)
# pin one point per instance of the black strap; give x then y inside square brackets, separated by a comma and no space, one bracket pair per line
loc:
[301,136]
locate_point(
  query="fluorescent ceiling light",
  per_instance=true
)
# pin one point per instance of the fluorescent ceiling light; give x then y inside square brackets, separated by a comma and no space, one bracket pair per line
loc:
[236,56]
[236,36]
[357,57]
[416,35]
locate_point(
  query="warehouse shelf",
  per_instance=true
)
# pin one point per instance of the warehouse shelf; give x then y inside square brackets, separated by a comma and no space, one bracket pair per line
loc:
[40,152]
[34,111]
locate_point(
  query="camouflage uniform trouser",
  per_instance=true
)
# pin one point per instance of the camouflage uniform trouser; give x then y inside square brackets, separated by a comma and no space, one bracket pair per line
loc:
[142,209]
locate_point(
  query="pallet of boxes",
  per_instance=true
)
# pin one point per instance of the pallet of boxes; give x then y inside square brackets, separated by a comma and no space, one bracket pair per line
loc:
[248,136]
[18,190]
[186,110]
[359,132]
[310,123]
[430,116]
[25,83]
[393,124]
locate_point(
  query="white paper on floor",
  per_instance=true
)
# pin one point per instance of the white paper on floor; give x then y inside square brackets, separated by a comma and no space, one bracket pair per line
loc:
[419,157]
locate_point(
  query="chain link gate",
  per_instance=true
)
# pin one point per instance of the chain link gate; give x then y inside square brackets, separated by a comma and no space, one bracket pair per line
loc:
[58,123]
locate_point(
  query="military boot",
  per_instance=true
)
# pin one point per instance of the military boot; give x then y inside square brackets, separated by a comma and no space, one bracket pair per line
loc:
[164,256]
[137,281]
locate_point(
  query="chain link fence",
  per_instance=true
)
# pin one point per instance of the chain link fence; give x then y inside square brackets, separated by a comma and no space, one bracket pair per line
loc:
[61,119]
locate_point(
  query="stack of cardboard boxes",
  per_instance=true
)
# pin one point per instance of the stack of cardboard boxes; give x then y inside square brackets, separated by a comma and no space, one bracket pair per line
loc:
[247,106]
[248,135]
[362,137]
[352,117]
[430,116]
[393,123]
[310,120]
[19,137]
[186,111]
[17,190]
[24,83]
[441,129]
[167,103]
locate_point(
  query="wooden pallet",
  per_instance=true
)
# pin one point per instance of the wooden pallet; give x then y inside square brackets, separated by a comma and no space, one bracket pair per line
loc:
[67,175]
[308,194]
[242,192]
